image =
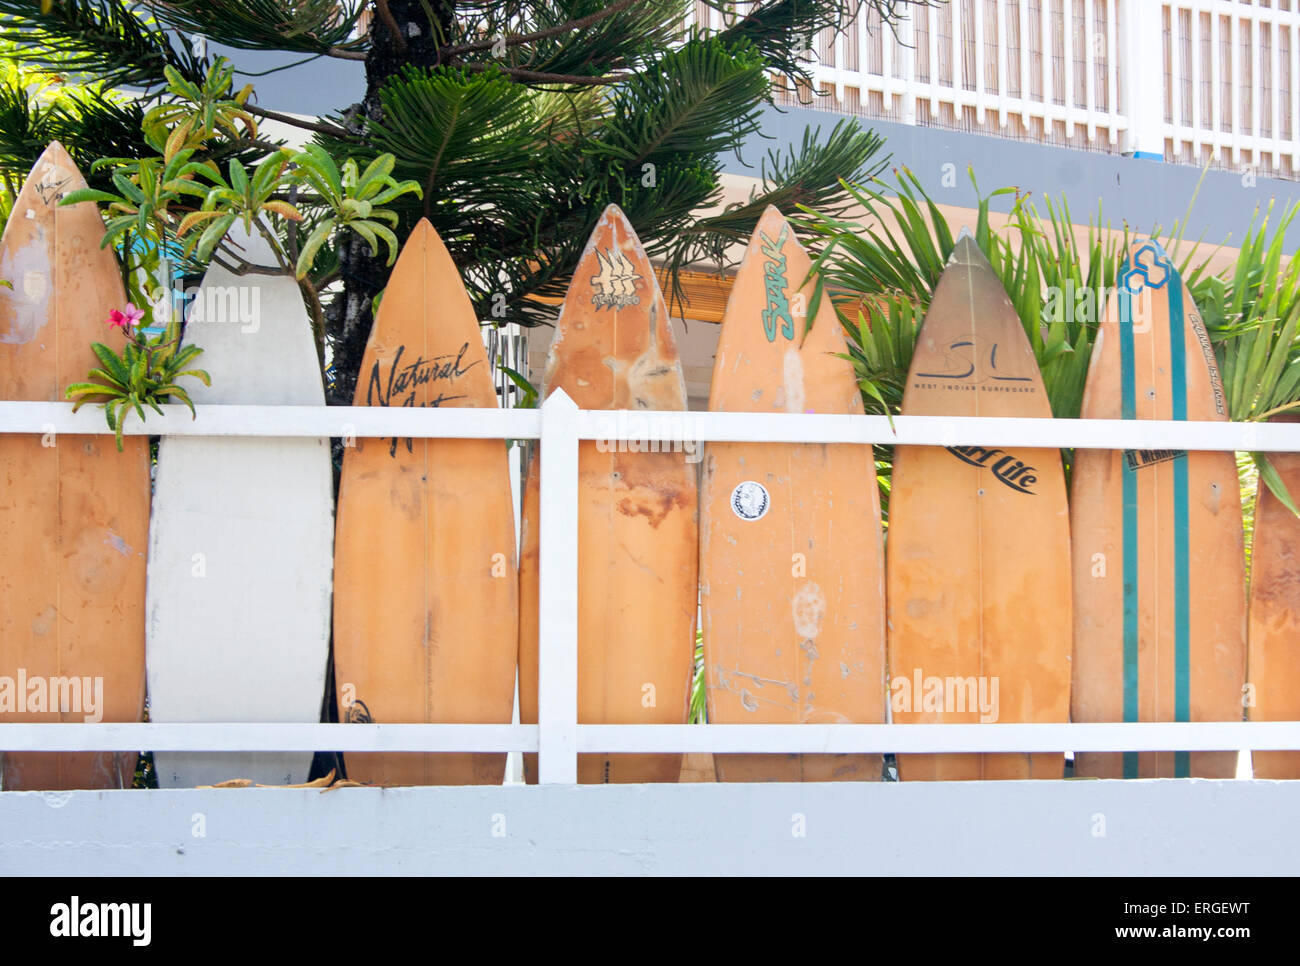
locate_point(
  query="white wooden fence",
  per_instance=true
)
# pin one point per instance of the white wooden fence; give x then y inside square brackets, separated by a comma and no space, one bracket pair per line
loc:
[558,737]
[1187,80]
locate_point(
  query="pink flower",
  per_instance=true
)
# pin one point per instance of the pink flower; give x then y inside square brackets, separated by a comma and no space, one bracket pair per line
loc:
[123,320]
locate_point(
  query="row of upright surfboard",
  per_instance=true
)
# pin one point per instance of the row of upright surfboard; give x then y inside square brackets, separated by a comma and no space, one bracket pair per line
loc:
[997,599]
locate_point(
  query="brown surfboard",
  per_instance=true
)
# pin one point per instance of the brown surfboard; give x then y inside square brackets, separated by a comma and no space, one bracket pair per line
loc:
[791,563]
[425,592]
[74,512]
[1274,632]
[1159,582]
[637,511]
[979,539]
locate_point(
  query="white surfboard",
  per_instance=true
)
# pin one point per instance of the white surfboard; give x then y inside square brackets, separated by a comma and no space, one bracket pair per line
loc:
[241,538]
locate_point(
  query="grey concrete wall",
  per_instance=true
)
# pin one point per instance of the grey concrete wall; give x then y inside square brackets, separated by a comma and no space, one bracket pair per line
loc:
[1045,828]
[1144,194]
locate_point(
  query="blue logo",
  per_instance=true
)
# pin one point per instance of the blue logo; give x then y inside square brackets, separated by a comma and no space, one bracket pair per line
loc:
[1152,264]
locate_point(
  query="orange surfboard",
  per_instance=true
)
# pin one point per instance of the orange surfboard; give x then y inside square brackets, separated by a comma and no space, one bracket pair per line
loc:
[1274,666]
[979,539]
[74,512]
[637,511]
[425,592]
[1159,580]
[791,563]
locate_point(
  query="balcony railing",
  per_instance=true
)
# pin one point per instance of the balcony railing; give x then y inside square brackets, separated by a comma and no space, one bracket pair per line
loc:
[1194,81]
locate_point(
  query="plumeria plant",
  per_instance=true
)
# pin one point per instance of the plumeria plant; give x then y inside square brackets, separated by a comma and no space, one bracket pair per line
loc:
[213,170]
[146,373]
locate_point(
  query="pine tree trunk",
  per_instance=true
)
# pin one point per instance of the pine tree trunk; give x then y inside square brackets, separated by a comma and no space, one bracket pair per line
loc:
[349,317]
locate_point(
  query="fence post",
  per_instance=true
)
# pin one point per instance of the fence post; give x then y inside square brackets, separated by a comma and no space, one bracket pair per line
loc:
[1141,27]
[557,619]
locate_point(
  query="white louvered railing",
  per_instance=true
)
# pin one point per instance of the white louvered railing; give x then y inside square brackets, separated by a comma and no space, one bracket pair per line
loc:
[1194,81]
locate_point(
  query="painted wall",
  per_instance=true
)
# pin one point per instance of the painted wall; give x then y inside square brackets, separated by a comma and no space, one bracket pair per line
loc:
[1032,828]
[1142,193]
[314,87]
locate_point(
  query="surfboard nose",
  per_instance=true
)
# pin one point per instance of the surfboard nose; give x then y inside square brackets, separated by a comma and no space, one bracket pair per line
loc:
[967,251]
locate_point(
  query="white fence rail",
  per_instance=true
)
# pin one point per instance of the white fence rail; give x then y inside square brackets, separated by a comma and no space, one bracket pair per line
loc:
[558,737]
[1187,80]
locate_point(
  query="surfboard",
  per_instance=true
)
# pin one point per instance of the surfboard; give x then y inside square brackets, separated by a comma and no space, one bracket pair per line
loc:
[979,541]
[241,539]
[1274,630]
[425,582]
[1159,582]
[74,512]
[791,562]
[638,541]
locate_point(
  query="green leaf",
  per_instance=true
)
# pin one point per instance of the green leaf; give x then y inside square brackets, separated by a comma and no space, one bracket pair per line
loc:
[85,388]
[1270,477]
[314,243]
[212,235]
[530,392]
[114,366]
[88,194]
[199,374]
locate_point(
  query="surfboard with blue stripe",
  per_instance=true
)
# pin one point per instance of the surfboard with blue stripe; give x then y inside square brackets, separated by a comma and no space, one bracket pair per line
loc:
[1157,537]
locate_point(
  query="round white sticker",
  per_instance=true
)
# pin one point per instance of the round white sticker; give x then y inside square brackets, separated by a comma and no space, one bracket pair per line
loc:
[749,500]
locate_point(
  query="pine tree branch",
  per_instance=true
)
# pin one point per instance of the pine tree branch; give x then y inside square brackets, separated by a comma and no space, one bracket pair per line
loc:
[235,264]
[341,53]
[319,128]
[540,77]
[515,41]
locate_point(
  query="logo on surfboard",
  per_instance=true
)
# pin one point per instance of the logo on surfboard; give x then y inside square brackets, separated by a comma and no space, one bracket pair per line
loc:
[750,500]
[406,381]
[1139,458]
[1207,350]
[616,283]
[966,361]
[776,285]
[50,188]
[1151,266]
[358,713]
[1010,471]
